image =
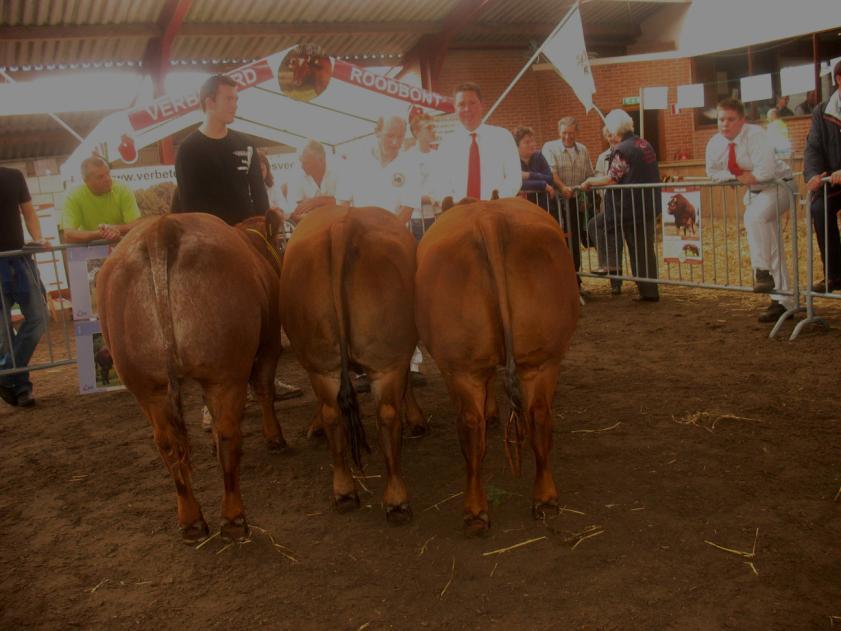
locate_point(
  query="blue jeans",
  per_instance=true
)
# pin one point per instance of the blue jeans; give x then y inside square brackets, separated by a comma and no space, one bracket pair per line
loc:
[21,285]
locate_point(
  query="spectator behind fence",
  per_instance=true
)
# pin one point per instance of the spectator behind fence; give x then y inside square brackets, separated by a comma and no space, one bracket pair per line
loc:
[822,158]
[425,155]
[805,108]
[316,184]
[217,168]
[741,151]
[781,105]
[608,246]
[633,211]
[276,197]
[571,165]
[380,175]
[478,159]
[20,284]
[778,134]
[100,208]
[537,176]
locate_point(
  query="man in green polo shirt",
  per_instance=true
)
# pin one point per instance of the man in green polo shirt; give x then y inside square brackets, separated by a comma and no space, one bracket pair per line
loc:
[100,208]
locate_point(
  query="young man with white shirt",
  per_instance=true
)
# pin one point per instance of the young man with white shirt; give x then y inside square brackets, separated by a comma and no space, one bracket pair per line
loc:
[822,158]
[478,159]
[741,151]
[380,176]
[316,184]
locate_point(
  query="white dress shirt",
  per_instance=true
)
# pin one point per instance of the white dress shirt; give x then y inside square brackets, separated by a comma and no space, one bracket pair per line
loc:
[390,186]
[429,178]
[499,162]
[753,153]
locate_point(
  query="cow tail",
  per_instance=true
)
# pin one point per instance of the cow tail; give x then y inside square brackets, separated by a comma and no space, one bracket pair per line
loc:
[515,430]
[162,246]
[346,399]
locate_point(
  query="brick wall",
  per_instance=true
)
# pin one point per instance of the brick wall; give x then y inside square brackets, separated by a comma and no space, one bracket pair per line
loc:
[542,97]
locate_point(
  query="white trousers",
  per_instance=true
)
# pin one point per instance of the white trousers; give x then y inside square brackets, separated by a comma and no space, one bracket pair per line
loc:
[762,227]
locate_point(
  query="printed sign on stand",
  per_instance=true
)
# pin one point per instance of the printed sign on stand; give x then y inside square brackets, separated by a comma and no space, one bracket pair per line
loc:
[93,360]
[682,225]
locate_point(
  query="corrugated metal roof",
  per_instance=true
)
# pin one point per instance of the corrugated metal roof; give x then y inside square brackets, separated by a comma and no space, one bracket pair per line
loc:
[57,12]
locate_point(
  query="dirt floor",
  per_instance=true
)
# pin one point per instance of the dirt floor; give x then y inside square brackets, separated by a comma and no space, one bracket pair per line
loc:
[682,432]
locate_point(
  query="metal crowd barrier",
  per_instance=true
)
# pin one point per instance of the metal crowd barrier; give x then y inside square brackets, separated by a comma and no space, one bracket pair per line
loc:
[55,346]
[811,264]
[719,259]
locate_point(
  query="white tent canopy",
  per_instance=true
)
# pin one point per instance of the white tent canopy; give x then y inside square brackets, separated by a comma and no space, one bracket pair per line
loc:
[276,102]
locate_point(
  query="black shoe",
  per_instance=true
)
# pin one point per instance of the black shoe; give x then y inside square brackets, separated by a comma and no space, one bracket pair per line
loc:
[615,287]
[772,313]
[8,394]
[26,400]
[647,298]
[764,282]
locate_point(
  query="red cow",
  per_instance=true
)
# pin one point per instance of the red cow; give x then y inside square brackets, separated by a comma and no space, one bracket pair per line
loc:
[187,296]
[683,212]
[496,285]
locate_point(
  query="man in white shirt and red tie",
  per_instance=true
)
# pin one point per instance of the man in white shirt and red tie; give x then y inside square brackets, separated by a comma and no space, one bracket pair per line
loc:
[740,151]
[479,158]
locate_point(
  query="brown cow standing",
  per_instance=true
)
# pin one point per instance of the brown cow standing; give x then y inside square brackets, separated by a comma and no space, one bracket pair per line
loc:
[496,285]
[188,296]
[348,288]
[684,213]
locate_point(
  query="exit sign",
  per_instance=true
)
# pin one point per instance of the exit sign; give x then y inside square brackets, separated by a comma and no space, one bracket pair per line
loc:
[631,100]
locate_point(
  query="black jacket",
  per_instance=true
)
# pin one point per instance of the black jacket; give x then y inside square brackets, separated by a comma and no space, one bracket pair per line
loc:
[823,145]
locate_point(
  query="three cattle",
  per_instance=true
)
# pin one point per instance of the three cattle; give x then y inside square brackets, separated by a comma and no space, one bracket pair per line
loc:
[354,299]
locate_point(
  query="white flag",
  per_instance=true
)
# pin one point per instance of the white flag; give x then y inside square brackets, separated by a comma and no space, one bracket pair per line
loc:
[567,51]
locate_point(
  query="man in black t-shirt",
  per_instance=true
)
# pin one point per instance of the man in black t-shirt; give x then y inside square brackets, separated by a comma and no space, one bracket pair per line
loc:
[217,169]
[19,284]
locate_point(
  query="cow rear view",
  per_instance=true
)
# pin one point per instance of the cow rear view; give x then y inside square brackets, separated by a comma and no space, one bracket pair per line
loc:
[348,287]
[495,286]
[186,296]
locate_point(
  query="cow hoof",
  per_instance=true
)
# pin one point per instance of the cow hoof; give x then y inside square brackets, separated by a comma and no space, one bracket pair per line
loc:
[346,503]
[542,510]
[316,433]
[415,431]
[477,525]
[276,446]
[398,515]
[195,532]
[235,530]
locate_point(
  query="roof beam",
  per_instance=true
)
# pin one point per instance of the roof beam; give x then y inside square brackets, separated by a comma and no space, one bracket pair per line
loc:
[221,29]
[79,31]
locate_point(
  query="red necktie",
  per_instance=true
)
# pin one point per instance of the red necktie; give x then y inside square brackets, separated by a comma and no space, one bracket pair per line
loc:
[474,177]
[732,165]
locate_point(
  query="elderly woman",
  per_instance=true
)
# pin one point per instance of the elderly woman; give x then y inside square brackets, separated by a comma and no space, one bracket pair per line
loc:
[632,212]
[537,176]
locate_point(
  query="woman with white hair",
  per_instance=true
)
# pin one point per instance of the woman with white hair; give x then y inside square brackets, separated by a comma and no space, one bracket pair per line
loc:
[631,213]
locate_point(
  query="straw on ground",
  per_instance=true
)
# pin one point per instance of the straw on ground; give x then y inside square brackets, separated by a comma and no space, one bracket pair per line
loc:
[596,431]
[514,547]
[452,575]
[697,418]
[741,553]
[446,499]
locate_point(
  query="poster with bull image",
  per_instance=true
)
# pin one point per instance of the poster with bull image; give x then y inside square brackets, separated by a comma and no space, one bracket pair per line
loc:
[682,225]
[95,368]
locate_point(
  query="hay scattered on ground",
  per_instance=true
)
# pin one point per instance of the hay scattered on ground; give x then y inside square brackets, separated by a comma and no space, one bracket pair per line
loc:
[446,499]
[741,553]
[452,575]
[708,420]
[596,431]
[514,547]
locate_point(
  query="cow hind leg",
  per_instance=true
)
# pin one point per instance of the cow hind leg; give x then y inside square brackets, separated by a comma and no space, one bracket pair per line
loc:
[389,392]
[170,436]
[470,394]
[227,404]
[262,382]
[418,425]
[538,388]
[345,497]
